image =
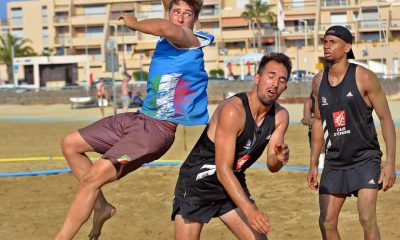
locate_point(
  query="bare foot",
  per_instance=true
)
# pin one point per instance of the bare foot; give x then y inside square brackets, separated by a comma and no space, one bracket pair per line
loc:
[100,216]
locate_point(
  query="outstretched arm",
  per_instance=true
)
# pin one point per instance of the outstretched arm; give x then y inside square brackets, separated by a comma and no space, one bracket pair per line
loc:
[278,151]
[377,98]
[230,122]
[180,36]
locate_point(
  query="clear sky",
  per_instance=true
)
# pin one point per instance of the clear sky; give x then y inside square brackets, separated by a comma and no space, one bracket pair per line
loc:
[3,8]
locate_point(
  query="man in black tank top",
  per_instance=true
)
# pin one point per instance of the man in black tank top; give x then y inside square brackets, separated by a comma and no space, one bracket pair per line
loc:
[212,181]
[345,96]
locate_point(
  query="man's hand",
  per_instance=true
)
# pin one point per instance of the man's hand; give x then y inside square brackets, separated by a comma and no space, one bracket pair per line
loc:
[129,20]
[388,176]
[312,178]
[282,153]
[258,220]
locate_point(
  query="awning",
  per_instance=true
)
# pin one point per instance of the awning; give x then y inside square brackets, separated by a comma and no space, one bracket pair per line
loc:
[234,22]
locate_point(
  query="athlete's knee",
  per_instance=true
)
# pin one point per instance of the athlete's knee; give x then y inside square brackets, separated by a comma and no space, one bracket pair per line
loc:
[68,142]
[368,220]
[327,223]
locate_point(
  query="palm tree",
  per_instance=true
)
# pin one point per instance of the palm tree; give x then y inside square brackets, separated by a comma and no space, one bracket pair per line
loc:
[258,12]
[6,43]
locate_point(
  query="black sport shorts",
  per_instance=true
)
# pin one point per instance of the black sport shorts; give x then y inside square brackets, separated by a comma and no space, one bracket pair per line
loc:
[349,181]
[203,212]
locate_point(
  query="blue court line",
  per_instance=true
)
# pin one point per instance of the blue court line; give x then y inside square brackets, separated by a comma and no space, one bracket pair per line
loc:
[160,163]
[396,123]
[31,119]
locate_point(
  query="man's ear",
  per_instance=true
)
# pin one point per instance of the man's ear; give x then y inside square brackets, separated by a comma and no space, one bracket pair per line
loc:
[256,78]
[347,48]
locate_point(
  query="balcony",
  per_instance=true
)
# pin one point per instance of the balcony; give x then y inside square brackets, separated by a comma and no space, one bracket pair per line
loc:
[87,41]
[149,14]
[61,20]
[371,25]
[334,3]
[80,20]
[62,40]
[236,34]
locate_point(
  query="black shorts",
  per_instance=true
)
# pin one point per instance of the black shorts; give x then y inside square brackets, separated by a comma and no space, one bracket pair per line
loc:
[349,181]
[202,212]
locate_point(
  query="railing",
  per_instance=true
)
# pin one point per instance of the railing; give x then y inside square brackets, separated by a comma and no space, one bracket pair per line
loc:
[60,19]
[209,12]
[63,40]
[150,14]
[331,3]
[292,5]
[349,25]
[371,24]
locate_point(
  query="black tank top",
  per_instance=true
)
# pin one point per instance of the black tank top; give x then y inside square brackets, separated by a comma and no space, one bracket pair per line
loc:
[198,180]
[349,131]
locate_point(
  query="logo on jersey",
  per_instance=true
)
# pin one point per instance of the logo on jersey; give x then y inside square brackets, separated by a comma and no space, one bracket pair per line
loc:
[211,170]
[324,101]
[242,161]
[339,118]
[349,94]
[124,159]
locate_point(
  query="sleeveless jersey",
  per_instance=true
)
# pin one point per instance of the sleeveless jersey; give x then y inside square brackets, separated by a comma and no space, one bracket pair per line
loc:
[177,83]
[349,131]
[198,182]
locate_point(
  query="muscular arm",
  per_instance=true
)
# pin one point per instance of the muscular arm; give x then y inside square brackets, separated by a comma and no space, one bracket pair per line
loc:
[374,95]
[178,35]
[307,113]
[277,150]
[317,136]
[230,122]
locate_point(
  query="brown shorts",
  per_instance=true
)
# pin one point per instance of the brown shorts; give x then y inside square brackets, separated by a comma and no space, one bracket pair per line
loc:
[129,140]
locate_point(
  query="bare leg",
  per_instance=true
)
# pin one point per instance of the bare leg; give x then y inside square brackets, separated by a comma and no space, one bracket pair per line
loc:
[186,229]
[330,206]
[366,204]
[237,223]
[100,173]
[74,148]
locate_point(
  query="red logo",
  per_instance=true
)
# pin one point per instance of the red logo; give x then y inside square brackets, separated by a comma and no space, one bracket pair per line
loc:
[241,161]
[339,118]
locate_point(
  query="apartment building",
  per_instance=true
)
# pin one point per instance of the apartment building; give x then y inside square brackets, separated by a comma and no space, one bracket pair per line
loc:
[83,27]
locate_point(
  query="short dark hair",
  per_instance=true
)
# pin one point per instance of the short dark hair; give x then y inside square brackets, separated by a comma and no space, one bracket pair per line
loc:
[196,5]
[277,57]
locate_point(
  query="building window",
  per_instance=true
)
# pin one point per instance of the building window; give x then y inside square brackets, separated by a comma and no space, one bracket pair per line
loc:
[369,18]
[16,16]
[297,3]
[45,36]
[94,32]
[94,10]
[17,32]
[339,19]
[44,14]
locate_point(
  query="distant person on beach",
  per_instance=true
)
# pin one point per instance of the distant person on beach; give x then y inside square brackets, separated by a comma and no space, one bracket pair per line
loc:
[345,96]
[125,98]
[212,181]
[176,94]
[102,96]
[308,119]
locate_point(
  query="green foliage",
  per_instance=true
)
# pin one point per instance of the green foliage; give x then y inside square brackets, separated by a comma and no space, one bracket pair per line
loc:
[136,75]
[258,12]
[20,50]
[216,72]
